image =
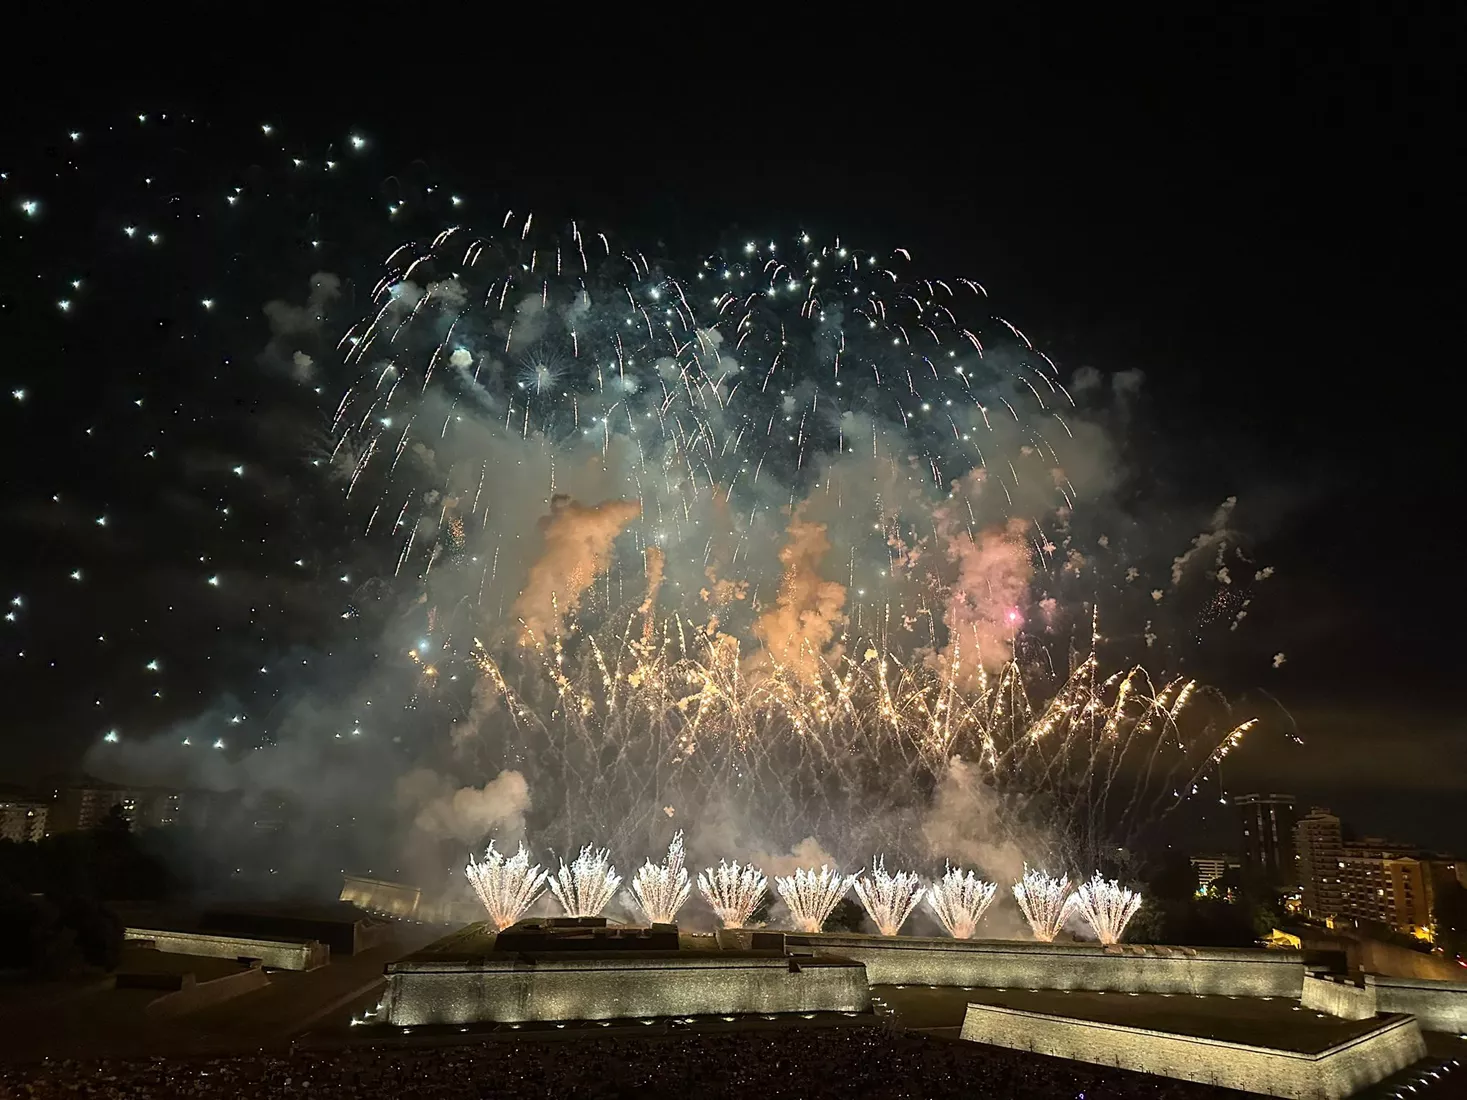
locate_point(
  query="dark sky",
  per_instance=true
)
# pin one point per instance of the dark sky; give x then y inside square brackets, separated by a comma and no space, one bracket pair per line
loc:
[1261,225]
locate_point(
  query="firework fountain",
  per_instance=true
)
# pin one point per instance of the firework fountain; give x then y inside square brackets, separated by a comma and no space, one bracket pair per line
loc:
[1107,906]
[507,887]
[661,890]
[889,899]
[1045,902]
[585,886]
[812,895]
[959,900]
[732,892]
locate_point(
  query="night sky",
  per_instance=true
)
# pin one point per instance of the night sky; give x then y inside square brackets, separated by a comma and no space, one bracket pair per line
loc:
[1263,236]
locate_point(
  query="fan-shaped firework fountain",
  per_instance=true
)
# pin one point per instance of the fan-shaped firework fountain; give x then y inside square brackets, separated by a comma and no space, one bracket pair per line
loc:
[1045,902]
[959,899]
[811,895]
[585,886]
[732,892]
[1108,907]
[889,899]
[507,887]
[661,890]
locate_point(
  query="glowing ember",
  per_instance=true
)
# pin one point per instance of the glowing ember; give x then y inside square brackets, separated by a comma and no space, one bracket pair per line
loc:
[1046,903]
[585,886]
[661,890]
[811,895]
[1108,907]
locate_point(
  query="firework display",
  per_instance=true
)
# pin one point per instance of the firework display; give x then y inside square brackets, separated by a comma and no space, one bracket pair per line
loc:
[1107,906]
[542,530]
[959,899]
[1045,902]
[660,890]
[507,887]
[732,892]
[585,886]
[889,899]
[811,895]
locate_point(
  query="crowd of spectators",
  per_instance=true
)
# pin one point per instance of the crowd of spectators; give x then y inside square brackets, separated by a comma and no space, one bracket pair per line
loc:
[814,1063]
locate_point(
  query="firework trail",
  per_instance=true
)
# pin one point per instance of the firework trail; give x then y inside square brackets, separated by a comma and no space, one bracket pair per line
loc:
[732,892]
[507,887]
[585,886]
[1107,906]
[959,900]
[812,895]
[889,899]
[1045,902]
[661,890]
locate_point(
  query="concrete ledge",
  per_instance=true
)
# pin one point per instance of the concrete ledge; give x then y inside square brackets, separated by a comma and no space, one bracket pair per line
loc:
[1337,997]
[1121,968]
[630,985]
[1337,1072]
[280,954]
[196,995]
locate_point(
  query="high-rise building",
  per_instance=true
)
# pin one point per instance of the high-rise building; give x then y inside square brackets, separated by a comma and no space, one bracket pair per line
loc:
[22,820]
[1210,868]
[1319,845]
[1267,822]
[78,807]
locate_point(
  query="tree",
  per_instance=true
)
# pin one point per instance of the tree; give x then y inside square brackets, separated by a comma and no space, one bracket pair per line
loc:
[1449,916]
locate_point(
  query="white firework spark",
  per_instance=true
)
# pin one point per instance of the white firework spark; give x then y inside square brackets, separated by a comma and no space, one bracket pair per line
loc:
[660,890]
[507,887]
[811,895]
[1108,906]
[1045,901]
[959,899]
[585,886]
[732,892]
[889,899]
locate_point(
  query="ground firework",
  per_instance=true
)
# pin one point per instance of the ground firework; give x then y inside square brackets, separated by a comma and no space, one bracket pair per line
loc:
[1046,903]
[959,900]
[507,887]
[732,892]
[889,899]
[585,886]
[811,895]
[1107,906]
[661,890]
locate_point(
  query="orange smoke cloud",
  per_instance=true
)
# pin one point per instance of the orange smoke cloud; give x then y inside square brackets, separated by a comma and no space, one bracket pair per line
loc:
[578,540]
[798,630]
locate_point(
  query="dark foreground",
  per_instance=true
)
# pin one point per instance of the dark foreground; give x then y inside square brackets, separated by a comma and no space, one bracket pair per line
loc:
[835,1062]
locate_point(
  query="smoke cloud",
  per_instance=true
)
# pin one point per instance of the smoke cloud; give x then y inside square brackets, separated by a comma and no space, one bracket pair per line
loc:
[577,548]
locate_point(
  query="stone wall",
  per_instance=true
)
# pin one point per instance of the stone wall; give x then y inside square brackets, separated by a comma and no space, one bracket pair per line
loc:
[1020,964]
[1340,1071]
[516,990]
[1337,997]
[280,954]
[1438,1006]
[194,995]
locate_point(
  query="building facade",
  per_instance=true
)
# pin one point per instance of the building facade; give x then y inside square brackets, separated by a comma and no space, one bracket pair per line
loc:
[23,821]
[1210,868]
[1267,823]
[1319,847]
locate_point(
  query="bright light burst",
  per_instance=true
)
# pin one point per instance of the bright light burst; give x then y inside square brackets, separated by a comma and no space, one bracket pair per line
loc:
[585,886]
[732,892]
[1108,907]
[507,887]
[661,890]
[1045,902]
[889,899]
[959,899]
[812,895]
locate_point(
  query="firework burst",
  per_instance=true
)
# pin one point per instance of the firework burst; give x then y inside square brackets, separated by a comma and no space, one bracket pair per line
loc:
[585,886]
[1108,907]
[959,899]
[812,895]
[889,899]
[1045,902]
[507,887]
[660,890]
[732,892]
